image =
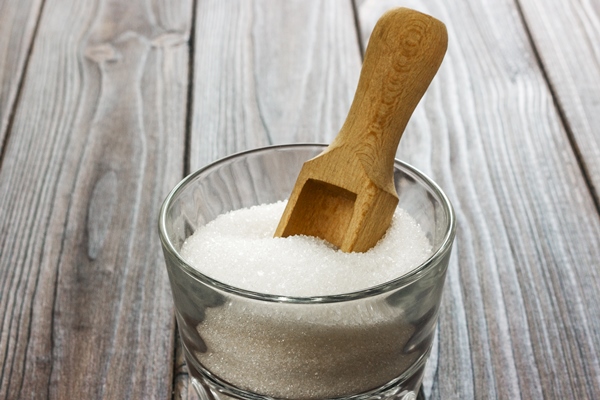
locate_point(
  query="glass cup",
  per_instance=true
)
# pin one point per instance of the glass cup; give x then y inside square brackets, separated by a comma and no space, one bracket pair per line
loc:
[242,344]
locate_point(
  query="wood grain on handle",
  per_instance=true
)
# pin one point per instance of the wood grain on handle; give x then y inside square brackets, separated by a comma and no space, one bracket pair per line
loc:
[346,194]
[405,52]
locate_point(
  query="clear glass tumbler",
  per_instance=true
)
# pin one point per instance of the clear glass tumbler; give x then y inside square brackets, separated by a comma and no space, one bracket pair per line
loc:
[248,345]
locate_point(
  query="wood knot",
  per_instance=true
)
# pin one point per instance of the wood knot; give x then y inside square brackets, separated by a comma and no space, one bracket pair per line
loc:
[103,53]
[169,39]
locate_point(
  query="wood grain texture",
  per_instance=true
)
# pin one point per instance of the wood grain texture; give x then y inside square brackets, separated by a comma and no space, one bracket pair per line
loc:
[97,142]
[270,72]
[521,310]
[566,35]
[18,20]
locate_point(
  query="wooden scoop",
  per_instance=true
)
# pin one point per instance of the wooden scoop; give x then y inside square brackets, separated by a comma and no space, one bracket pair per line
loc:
[346,194]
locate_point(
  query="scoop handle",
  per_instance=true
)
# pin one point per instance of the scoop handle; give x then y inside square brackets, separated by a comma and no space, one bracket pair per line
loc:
[404,53]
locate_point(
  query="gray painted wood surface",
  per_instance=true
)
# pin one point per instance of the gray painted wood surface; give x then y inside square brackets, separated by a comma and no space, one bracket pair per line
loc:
[567,38]
[270,73]
[113,102]
[97,142]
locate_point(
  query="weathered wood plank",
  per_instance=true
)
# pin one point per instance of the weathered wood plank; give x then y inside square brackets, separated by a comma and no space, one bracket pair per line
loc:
[567,37]
[18,20]
[269,72]
[97,142]
[520,316]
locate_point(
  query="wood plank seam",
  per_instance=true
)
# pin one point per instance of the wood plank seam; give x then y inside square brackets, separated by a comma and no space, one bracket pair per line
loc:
[189,113]
[180,375]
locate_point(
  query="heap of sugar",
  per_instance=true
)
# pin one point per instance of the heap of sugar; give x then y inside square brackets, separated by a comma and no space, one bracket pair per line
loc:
[238,248]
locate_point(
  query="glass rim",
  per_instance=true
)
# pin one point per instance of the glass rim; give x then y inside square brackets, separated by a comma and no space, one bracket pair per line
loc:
[403,280]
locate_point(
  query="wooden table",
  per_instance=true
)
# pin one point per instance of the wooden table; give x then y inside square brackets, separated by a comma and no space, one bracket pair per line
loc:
[106,105]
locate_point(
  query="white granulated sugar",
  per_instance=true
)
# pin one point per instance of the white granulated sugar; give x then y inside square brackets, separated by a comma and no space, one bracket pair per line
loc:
[308,351]
[238,249]
[299,355]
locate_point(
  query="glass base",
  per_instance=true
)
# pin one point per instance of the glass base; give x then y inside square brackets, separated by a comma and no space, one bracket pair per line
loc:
[405,387]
